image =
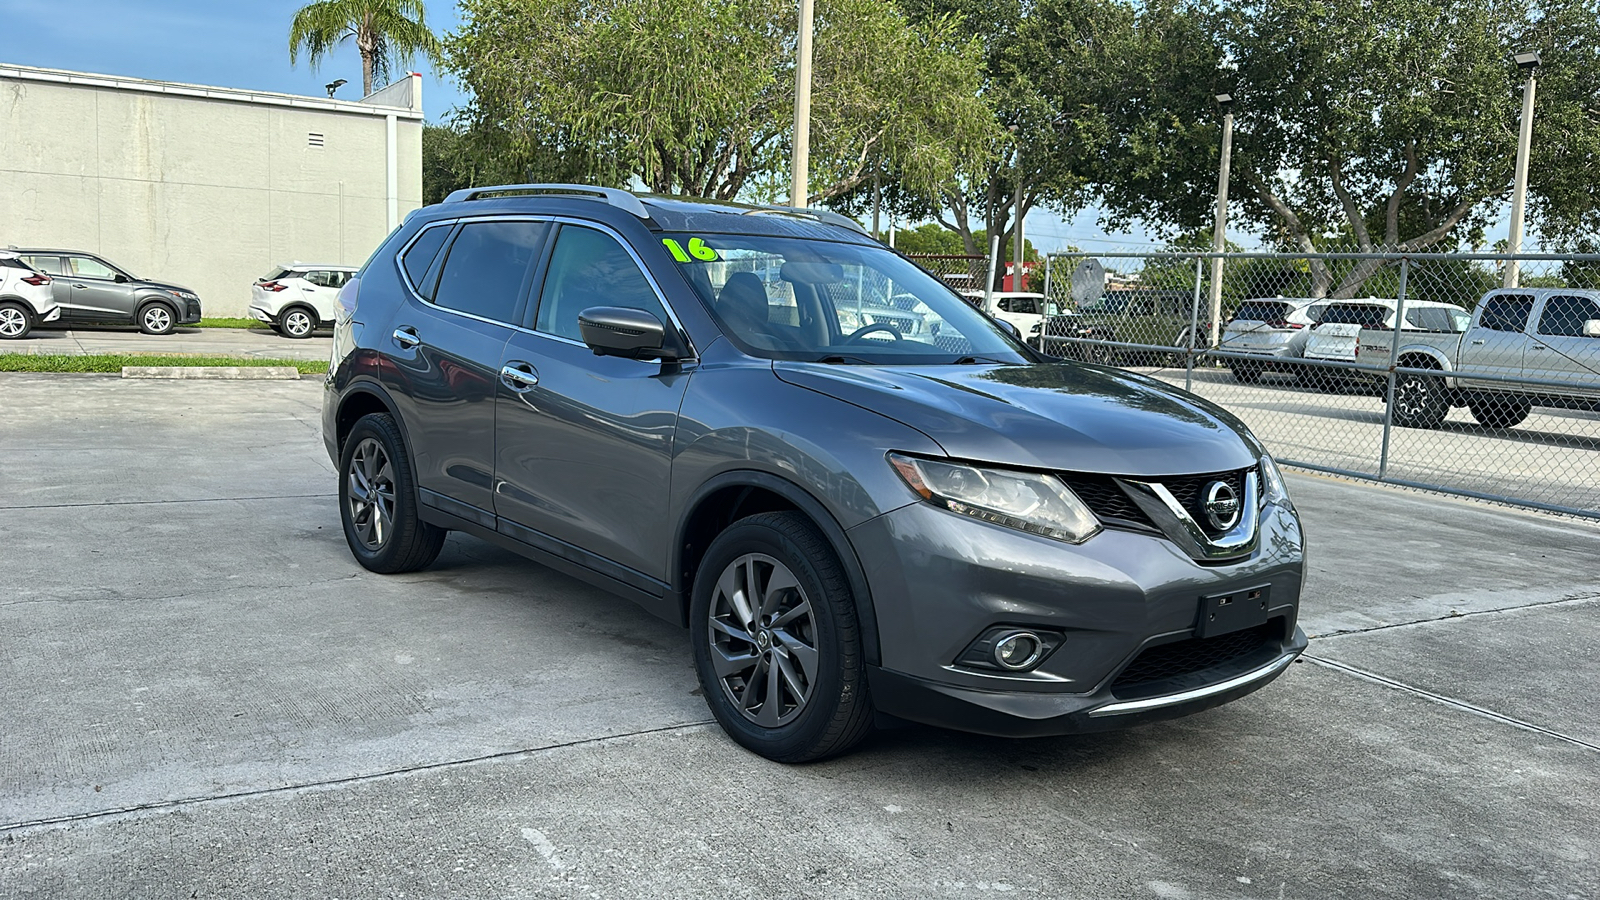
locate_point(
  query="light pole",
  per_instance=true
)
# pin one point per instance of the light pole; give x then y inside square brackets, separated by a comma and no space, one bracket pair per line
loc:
[334,86]
[802,109]
[1219,232]
[1528,63]
[1016,254]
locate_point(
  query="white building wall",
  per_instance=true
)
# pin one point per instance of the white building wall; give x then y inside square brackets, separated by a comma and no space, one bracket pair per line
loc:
[205,187]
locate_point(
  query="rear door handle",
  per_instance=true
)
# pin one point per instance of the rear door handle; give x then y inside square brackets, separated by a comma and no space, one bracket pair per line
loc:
[406,337]
[1477,343]
[1540,347]
[519,376]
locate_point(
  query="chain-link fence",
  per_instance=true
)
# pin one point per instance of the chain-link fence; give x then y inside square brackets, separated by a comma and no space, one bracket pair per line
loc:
[964,274]
[1375,365]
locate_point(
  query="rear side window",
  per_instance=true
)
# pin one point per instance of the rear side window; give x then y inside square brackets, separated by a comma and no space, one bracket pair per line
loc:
[589,268]
[1019,305]
[1506,313]
[50,265]
[1262,312]
[420,254]
[484,268]
[1364,314]
[1435,318]
[1564,316]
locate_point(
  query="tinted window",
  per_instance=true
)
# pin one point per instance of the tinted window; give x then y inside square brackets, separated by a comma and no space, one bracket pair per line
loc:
[12,262]
[420,254]
[589,268]
[1019,305]
[50,265]
[90,268]
[1565,315]
[1364,314]
[1256,311]
[1435,318]
[1506,313]
[484,268]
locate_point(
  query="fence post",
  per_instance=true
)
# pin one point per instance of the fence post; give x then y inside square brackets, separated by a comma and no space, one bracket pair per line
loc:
[1194,323]
[1394,353]
[1046,305]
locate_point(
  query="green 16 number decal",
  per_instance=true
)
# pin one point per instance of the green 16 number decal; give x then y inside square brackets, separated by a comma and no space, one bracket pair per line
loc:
[698,249]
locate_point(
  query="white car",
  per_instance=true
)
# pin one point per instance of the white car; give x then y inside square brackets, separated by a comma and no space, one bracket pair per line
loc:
[300,298]
[1024,309]
[1339,325]
[1272,331]
[25,297]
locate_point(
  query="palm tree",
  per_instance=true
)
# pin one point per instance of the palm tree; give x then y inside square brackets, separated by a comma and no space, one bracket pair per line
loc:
[386,31]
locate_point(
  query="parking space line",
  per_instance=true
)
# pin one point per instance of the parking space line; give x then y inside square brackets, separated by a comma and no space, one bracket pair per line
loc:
[1570,600]
[1460,705]
[8,827]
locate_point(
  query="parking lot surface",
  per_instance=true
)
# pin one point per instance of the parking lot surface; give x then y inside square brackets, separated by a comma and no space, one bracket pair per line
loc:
[259,342]
[203,695]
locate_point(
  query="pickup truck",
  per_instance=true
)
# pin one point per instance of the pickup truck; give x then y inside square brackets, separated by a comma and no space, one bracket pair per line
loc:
[1538,334]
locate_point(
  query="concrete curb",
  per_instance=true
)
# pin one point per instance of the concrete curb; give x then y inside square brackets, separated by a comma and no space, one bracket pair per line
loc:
[226,373]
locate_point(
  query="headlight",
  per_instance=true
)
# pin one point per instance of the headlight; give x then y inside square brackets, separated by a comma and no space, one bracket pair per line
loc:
[1273,490]
[1026,501]
[183,295]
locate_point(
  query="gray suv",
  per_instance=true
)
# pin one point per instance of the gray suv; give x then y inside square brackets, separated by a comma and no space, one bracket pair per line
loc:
[856,523]
[92,291]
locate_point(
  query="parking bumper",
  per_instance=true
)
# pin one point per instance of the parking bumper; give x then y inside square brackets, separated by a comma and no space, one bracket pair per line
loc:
[939,580]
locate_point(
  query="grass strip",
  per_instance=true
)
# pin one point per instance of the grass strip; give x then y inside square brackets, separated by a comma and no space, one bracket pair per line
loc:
[113,362]
[232,323]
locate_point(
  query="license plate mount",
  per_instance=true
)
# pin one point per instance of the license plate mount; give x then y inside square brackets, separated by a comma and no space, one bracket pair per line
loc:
[1233,611]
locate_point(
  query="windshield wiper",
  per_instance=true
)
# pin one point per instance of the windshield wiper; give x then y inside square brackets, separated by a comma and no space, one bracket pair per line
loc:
[844,360]
[970,360]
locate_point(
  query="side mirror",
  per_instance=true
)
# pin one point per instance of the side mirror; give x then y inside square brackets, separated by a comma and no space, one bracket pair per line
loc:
[618,331]
[1591,328]
[120,278]
[1010,328]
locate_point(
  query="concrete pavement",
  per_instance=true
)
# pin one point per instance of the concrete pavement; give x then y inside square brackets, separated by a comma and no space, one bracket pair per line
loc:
[260,342]
[203,695]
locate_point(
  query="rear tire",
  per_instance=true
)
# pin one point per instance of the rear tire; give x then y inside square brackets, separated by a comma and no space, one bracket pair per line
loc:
[1506,411]
[16,321]
[157,318]
[378,500]
[776,642]
[297,322]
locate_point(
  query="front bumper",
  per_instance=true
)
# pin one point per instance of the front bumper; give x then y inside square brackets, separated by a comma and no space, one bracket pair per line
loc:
[939,580]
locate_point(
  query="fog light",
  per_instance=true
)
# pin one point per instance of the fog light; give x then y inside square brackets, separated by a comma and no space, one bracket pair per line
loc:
[1018,650]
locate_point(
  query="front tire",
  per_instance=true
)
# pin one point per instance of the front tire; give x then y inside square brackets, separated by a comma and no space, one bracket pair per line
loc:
[297,322]
[776,642]
[15,321]
[378,501]
[157,318]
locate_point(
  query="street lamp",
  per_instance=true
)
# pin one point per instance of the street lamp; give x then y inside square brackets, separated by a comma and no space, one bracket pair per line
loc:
[802,110]
[1528,63]
[1219,231]
[334,86]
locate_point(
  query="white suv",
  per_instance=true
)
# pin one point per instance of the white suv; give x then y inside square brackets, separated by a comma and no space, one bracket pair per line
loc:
[298,299]
[25,298]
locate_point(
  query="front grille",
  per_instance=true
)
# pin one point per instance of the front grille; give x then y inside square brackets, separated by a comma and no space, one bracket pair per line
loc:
[1106,500]
[1189,490]
[1168,662]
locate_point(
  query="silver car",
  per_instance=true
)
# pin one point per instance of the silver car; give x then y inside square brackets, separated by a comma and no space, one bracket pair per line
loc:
[1271,333]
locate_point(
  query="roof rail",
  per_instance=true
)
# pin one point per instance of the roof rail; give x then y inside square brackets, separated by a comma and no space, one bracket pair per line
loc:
[619,198]
[821,215]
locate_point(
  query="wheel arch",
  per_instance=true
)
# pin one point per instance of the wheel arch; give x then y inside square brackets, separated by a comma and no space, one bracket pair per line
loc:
[734,495]
[1421,356]
[364,398]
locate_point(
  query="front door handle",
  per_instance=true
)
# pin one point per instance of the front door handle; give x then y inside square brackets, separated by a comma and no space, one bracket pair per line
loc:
[406,337]
[81,286]
[1477,343]
[519,376]
[1540,347]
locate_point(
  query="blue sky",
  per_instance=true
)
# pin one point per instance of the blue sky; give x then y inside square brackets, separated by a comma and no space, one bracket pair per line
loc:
[245,44]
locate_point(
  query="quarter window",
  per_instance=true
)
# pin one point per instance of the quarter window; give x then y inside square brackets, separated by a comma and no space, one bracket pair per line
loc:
[484,268]
[420,255]
[589,268]
[1506,313]
[50,265]
[1564,316]
[1433,318]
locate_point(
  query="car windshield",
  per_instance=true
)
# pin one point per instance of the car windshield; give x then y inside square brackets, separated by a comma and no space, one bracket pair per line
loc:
[825,301]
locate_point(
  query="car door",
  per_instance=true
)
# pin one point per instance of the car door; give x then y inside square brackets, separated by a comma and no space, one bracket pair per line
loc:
[444,352]
[321,290]
[583,443]
[1497,345]
[97,295]
[1560,352]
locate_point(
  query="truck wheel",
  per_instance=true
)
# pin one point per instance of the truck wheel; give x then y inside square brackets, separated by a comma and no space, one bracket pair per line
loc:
[1420,401]
[1505,411]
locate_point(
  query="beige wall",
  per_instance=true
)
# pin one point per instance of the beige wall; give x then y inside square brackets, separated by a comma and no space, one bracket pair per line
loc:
[207,192]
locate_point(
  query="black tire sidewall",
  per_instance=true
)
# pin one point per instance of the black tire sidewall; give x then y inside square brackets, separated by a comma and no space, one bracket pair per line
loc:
[399,552]
[838,640]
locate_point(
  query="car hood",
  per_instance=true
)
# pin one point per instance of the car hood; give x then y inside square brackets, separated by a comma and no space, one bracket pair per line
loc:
[1065,416]
[145,284]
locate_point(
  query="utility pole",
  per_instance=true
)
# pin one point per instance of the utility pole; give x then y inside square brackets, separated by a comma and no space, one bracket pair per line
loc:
[877,200]
[1016,255]
[1528,63]
[802,109]
[1219,241]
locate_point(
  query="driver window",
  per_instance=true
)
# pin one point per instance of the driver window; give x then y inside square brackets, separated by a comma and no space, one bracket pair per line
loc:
[84,267]
[589,268]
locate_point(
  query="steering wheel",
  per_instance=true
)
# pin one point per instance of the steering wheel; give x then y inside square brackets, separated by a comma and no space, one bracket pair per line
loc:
[865,330]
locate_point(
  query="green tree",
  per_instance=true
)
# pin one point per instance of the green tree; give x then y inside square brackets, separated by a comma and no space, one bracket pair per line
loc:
[698,98]
[1390,124]
[386,32]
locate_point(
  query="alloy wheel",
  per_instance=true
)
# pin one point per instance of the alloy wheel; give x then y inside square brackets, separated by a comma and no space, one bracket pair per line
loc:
[371,494]
[297,323]
[763,640]
[157,319]
[13,322]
